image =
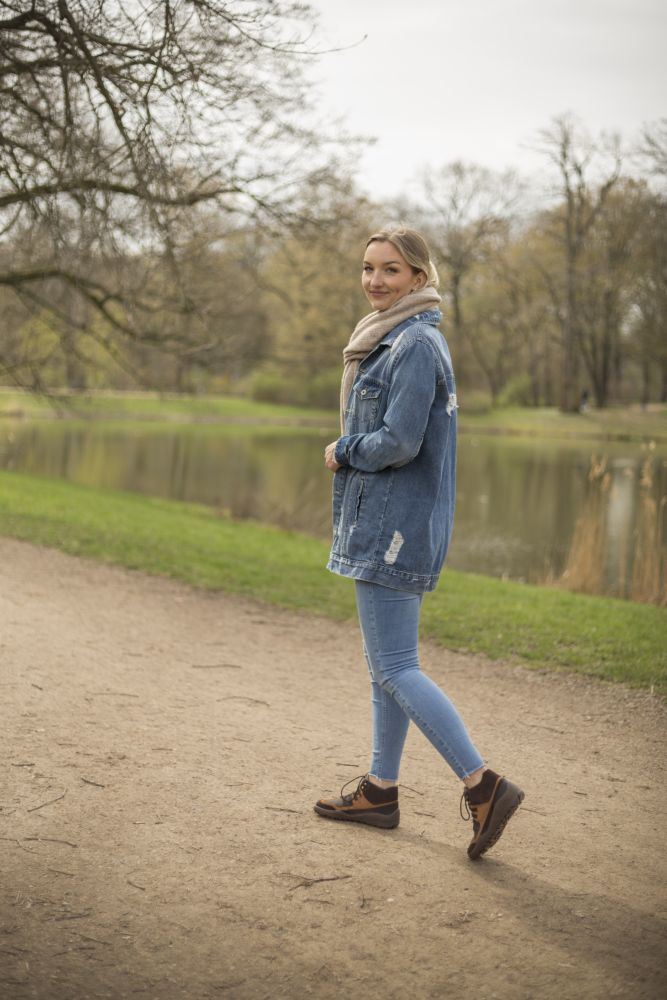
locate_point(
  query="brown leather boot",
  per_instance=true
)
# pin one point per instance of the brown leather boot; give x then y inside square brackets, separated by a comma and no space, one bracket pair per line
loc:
[368,804]
[492,803]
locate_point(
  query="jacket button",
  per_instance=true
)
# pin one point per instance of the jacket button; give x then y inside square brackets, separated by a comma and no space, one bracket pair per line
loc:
[363,392]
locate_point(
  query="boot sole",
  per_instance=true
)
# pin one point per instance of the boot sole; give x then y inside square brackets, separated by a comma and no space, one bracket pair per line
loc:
[503,810]
[385,821]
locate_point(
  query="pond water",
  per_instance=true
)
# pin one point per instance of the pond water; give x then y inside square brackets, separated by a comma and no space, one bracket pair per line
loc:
[591,516]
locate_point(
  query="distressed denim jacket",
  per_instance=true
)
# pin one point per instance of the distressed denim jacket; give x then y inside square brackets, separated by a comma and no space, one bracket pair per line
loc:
[393,498]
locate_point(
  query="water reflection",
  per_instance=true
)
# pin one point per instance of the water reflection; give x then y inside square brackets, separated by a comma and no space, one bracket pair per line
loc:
[618,545]
[532,510]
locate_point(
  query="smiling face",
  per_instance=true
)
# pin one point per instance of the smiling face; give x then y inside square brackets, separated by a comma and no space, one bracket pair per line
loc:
[387,276]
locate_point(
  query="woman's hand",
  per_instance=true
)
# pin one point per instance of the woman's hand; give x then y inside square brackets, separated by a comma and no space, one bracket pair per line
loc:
[330,456]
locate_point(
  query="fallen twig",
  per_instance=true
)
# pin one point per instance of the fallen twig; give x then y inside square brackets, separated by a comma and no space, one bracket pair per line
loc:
[216,666]
[49,803]
[95,783]
[282,809]
[78,947]
[243,697]
[307,881]
[52,840]
[136,885]
[87,937]
[15,840]
[540,725]
[115,694]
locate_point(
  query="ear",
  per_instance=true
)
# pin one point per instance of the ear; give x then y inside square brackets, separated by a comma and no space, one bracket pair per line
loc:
[419,282]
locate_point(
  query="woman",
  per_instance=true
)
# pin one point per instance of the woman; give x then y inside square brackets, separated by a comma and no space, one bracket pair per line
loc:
[393,508]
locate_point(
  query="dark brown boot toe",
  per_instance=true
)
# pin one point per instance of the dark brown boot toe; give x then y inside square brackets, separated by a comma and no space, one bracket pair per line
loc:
[368,804]
[492,804]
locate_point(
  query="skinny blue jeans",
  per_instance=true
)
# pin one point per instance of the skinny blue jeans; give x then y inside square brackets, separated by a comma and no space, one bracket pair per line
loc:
[400,692]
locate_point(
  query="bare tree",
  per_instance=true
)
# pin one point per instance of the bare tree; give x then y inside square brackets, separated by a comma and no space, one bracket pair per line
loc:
[610,267]
[466,208]
[649,326]
[587,174]
[653,148]
[526,314]
[117,118]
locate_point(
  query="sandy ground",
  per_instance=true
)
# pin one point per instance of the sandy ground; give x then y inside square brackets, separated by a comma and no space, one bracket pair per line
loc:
[161,751]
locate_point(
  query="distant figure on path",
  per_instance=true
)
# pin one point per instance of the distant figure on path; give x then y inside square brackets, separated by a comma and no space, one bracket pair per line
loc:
[393,508]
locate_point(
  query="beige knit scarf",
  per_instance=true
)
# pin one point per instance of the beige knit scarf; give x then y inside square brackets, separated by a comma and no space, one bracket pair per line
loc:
[370,330]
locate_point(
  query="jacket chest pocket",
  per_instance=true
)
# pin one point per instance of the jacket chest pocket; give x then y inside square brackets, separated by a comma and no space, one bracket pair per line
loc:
[365,402]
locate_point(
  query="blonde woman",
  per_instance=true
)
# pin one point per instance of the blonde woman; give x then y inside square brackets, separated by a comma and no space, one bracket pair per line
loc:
[393,509]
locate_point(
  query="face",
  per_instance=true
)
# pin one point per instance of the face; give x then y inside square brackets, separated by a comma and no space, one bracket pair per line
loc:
[387,276]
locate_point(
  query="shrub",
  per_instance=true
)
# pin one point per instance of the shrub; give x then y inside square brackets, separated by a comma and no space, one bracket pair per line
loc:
[270,385]
[516,392]
[323,391]
[474,401]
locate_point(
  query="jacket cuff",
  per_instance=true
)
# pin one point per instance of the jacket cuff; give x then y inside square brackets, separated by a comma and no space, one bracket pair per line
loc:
[340,454]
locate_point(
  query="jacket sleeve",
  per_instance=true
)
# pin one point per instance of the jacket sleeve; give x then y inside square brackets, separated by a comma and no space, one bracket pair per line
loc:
[411,394]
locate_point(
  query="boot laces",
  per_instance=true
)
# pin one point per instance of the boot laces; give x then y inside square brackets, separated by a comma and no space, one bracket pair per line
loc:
[470,807]
[350,797]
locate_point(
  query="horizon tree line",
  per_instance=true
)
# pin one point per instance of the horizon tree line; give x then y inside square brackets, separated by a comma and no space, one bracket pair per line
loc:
[172,212]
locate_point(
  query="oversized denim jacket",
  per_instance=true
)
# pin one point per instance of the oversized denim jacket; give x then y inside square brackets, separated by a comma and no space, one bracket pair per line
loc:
[393,498]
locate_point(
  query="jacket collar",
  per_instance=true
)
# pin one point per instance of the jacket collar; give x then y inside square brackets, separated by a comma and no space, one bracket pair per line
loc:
[430,316]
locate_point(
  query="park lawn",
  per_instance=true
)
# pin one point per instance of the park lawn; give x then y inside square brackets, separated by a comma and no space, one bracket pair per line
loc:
[616,423]
[153,406]
[537,626]
[613,424]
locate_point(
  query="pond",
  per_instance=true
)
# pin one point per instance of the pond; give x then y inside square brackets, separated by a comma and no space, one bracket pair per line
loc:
[588,516]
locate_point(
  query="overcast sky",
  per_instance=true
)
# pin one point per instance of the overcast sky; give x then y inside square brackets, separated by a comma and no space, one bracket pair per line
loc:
[439,80]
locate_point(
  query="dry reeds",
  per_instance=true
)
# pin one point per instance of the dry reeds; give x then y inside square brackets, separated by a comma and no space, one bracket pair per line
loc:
[586,559]
[647,582]
[616,529]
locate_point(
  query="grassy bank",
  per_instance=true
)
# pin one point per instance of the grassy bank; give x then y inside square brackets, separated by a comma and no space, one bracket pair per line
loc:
[153,406]
[541,627]
[615,424]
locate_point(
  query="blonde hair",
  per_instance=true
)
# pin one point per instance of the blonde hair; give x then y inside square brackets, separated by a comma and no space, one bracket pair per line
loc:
[413,248]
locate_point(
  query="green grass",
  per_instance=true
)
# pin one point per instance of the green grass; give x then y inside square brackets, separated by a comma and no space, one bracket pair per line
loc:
[540,627]
[614,424]
[152,406]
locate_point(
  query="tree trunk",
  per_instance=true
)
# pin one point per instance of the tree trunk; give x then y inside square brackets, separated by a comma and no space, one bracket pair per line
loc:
[75,374]
[646,381]
[569,385]
[457,324]
[549,395]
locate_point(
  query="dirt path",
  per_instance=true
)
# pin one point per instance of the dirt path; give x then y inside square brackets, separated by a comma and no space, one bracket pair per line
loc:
[161,749]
